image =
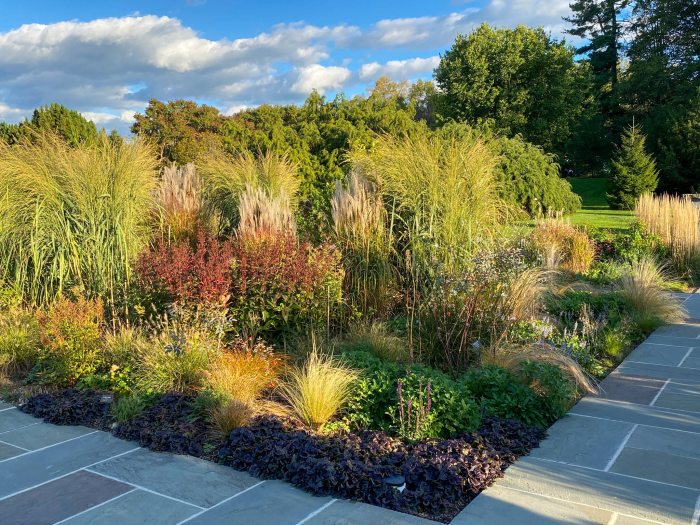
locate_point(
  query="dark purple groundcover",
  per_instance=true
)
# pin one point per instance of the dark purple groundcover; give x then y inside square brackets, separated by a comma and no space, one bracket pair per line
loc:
[442,476]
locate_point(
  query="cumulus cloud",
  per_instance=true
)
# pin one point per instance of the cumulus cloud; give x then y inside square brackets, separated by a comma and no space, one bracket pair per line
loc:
[321,78]
[109,68]
[399,69]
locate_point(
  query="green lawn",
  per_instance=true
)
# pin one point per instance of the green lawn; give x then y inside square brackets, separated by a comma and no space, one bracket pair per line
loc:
[595,211]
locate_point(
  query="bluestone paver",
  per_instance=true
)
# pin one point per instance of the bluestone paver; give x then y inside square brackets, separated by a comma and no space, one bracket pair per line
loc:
[186,478]
[9,451]
[344,512]
[659,354]
[34,437]
[658,466]
[59,499]
[33,468]
[682,444]
[633,389]
[270,503]
[12,418]
[583,441]
[675,373]
[135,508]
[502,505]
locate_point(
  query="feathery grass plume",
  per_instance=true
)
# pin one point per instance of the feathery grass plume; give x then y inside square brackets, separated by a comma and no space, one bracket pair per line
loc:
[642,286]
[243,375]
[443,195]
[318,389]
[179,198]
[561,245]
[73,216]
[676,221]
[511,357]
[359,221]
[261,214]
[225,178]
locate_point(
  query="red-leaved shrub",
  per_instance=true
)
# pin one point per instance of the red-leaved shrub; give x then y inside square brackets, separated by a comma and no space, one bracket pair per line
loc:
[281,284]
[190,275]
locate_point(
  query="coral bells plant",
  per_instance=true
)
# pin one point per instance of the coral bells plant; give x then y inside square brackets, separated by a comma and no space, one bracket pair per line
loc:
[282,285]
[186,273]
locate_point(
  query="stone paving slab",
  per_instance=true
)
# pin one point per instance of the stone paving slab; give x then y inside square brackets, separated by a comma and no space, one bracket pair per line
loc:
[686,402]
[583,441]
[675,373]
[500,504]
[658,466]
[638,414]
[659,354]
[691,331]
[8,451]
[34,437]
[673,340]
[59,499]
[12,418]
[136,507]
[639,498]
[185,478]
[682,444]
[344,512]
[30,469]
[268,503]
[633,389]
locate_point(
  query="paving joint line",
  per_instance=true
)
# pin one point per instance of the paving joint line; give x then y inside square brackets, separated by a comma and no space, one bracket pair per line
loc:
[110,500]
[222,502]
[658,364]
[317,511]
[640,424]
[8,408]
[658,394]
[555,498]
[49,446]
[609,473]
[66,474]
[16,446]
[690,351]
[140,487]
[619,450]
[20,428]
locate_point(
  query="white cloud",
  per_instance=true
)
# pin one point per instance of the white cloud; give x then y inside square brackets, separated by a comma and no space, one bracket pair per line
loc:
[321,78]
[399,69]
[109,68]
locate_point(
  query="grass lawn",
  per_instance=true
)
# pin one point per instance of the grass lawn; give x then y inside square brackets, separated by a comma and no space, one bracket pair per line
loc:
[595,211]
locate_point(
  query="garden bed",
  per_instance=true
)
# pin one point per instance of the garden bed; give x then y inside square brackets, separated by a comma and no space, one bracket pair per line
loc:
[441,475]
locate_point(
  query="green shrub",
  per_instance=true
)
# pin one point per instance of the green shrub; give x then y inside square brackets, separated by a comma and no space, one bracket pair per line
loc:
[175,361]
[535,393]
[71,339]
[128,407]
[375,403]
[19,342]
[378,340]
[500,394]
[529,178]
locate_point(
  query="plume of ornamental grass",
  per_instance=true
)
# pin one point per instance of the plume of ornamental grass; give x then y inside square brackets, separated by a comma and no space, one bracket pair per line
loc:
[642,286]
[73,217]
[676,221]
[261,214]
[559,244]
[180,200]
[359,220]
[318,389]
[511,357]
[443,194]
[226,178]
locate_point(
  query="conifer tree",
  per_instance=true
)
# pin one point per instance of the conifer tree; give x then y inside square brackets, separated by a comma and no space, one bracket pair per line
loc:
[633,171]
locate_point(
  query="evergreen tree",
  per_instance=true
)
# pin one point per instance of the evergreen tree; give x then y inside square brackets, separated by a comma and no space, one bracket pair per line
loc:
[633,171]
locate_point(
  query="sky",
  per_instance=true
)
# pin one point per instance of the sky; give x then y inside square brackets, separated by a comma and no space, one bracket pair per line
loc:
[106,59]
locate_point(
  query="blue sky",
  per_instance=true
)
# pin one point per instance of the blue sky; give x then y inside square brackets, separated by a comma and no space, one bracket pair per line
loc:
[107,58]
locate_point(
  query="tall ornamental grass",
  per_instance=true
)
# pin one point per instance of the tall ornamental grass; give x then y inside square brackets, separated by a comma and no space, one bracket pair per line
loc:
[227,178]
[442,192]
[180,202]
[359,222]
[676,221]
[73,216]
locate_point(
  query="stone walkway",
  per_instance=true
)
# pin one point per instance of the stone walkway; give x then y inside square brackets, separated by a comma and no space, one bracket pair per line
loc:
[628,456]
